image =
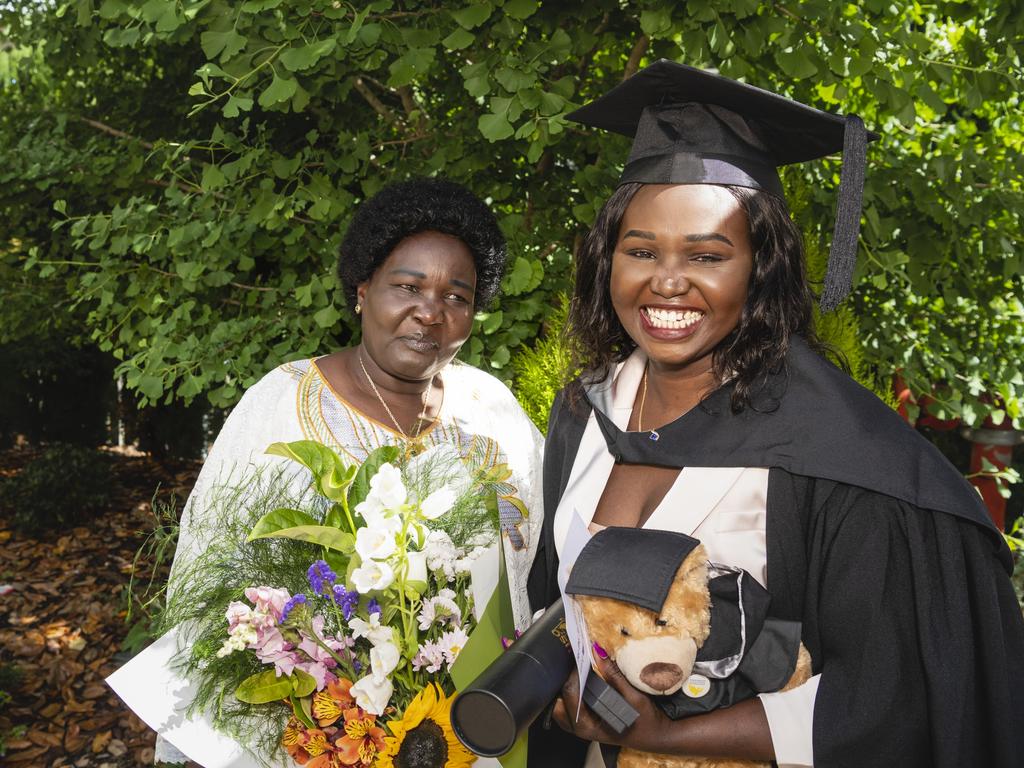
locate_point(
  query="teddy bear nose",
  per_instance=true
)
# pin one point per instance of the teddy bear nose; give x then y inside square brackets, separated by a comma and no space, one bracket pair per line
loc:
[661,676]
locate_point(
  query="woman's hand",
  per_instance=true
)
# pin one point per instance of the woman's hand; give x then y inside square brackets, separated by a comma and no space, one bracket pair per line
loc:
[739,732]
[646,734]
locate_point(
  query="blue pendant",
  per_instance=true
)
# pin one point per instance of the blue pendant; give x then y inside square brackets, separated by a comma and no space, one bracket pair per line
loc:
[654,435]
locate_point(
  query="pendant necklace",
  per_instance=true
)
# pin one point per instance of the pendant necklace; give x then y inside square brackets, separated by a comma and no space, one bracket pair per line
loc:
[380,398]
[640,415]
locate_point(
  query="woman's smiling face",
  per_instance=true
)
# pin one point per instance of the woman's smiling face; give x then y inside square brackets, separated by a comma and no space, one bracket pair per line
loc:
[680,272]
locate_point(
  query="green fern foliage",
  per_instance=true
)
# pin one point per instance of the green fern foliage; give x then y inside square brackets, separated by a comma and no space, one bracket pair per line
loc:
[543,369]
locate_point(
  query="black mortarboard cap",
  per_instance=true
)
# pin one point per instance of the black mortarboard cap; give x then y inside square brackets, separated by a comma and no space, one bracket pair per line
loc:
[634,565]
[690,126]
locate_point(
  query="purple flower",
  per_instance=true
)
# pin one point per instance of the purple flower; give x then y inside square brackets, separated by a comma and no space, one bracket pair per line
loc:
[292,602]
[321,577]
[348,601]
[373,606]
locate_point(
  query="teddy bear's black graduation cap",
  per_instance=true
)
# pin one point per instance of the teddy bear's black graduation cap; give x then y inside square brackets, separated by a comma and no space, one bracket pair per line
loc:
[691,126]
[633,565]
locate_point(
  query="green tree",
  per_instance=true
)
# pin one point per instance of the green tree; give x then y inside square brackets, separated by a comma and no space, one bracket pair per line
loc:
[176,173]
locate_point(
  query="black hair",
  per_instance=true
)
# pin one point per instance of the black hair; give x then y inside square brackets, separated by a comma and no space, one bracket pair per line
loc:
[422,205]
[779,302]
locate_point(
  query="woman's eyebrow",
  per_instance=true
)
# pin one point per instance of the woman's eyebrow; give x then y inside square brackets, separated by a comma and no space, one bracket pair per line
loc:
[640,233]
[705,237]
[410,272]
[422,276]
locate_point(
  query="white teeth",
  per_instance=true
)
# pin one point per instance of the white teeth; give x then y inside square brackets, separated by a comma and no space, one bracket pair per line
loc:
[671,318]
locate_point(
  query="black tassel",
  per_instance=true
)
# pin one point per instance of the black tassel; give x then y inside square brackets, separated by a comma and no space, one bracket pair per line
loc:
[842,257]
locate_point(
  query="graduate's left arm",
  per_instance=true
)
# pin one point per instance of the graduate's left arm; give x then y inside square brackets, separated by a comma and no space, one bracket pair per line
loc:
[738,732]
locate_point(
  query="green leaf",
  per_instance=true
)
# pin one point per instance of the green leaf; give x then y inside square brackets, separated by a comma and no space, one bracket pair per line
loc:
[331,474]
[520,9]
[280,89]
[297,59]
[495,127]
[386,454]
[654,23]
[279,520]
[303,683]
[324,536]
[299,706]
[263,688]
[412,64]
[458,40]
[236,104]
[473,15]
[551,104]
[226,43]
[513,79]
[84,9]
[213,178]
[327,317]
[492,322]
[796,64]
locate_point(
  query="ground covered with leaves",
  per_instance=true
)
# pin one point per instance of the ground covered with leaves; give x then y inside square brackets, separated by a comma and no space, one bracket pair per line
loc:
[64,622]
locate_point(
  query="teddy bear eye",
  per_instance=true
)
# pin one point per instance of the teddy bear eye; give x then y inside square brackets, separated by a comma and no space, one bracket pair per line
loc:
[661,622]
[624,631]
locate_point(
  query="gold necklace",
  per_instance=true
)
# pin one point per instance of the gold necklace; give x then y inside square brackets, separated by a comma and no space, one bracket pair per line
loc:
[380,398]
[640,415]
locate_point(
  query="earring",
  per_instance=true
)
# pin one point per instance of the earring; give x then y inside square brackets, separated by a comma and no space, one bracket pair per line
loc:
[358,308]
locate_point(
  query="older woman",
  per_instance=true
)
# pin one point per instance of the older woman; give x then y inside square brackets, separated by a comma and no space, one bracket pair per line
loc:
[418,259]
[706,408]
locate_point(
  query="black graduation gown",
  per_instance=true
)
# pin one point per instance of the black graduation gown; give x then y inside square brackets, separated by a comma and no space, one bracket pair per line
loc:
[875,543]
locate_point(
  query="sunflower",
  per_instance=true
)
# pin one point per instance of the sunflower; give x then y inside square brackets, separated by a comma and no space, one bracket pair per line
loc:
[424,731]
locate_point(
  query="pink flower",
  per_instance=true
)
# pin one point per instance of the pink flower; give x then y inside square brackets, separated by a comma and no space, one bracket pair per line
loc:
[319,671]
[238,613]
[268,600]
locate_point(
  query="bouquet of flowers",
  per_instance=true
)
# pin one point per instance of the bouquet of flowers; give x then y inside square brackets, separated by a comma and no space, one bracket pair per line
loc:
[332,630]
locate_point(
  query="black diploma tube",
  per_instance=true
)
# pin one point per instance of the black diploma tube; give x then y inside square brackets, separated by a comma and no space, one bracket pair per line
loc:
[503,701]
[490,714]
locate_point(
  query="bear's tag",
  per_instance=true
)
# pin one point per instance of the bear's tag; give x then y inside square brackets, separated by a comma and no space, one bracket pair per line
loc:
[696,686]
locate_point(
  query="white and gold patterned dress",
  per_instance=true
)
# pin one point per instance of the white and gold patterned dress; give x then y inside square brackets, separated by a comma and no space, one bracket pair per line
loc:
[479,416]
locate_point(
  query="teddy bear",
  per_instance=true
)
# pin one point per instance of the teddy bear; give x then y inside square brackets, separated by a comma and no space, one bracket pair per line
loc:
[694,634]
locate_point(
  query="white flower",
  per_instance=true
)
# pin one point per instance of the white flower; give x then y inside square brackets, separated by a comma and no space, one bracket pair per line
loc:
[383,659]
[438,503]
[372,575]
[442,607]
[371,630]
[375,544]
[441,553]
[417,562]
[372,694]
[452,643]
[387,488]
[232,644]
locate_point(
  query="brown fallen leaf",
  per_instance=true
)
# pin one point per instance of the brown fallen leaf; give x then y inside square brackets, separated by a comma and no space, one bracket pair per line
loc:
[44,738]
[100,741]
[94,691]
[26,755]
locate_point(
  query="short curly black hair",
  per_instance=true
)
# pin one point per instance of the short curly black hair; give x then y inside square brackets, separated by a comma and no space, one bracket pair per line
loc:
[421,205]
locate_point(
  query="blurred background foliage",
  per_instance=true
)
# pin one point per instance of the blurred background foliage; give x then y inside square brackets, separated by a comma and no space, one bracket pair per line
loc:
[175,175]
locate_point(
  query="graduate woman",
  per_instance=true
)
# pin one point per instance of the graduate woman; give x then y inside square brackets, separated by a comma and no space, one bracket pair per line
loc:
[705,407]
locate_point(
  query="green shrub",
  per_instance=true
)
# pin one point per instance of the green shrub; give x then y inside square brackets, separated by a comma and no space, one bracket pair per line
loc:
[147,589]
[542,370]
[60,489]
